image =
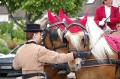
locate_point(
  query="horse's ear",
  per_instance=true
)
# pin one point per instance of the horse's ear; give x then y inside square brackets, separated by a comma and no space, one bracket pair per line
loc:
[61,14]
[51,18]
[83,21]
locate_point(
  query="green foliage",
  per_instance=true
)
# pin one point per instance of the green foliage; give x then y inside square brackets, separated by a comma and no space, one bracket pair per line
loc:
[6,28]
[10,32]
[6,37]
[71,7]
[3,47]
[18,35]
[12,5]
[35,8]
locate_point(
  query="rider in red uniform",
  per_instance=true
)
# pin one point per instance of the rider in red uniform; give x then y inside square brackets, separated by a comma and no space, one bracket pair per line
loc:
[107,15]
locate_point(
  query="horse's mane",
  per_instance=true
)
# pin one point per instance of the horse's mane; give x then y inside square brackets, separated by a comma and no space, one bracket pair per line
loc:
[98,44]
[94,31]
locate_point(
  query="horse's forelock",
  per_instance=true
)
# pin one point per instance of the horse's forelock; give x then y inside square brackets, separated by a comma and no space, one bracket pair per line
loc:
[60,34]
[75,39]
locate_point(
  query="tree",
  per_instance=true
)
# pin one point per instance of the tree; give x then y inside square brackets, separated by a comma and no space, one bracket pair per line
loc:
[35,8]
[12,6]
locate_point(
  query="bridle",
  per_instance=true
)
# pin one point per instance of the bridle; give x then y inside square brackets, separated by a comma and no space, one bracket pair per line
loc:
[85,38]
[53,36]
[89,62]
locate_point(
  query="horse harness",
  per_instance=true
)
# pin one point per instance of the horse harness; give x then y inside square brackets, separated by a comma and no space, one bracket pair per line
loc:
[30,75]
[53,36]
[93,62]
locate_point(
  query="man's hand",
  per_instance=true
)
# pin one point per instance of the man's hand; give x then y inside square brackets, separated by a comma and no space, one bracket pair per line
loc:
[102,22]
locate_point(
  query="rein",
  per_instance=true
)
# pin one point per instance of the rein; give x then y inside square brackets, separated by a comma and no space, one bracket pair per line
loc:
[98,62]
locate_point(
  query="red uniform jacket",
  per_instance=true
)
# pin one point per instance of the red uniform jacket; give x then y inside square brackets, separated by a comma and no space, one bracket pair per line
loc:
[114,16]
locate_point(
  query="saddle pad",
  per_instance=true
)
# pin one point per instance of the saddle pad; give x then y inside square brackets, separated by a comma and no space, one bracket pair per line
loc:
[113,41]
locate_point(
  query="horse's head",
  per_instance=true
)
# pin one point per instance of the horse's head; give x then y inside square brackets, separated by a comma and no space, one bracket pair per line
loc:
[90,38]
[77,36]
[52,34]
[52,39]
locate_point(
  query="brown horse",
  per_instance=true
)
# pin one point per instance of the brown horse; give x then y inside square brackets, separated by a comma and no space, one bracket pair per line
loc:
[100,61]
[52,41]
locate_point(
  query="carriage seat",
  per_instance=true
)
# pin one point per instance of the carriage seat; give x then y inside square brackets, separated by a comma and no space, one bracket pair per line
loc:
[113,41]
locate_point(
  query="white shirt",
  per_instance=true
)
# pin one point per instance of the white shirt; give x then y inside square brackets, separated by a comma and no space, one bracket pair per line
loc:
[107,11]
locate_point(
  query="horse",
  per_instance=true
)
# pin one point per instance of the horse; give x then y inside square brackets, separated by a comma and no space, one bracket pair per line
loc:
[52,41]
[100,60]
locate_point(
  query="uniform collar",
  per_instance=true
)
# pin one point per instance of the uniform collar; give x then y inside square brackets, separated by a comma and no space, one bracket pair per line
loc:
[30,41]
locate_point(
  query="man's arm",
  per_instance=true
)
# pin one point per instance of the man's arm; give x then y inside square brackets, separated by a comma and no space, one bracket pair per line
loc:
[48,56]
[15,63]
[116,18]
[96,16]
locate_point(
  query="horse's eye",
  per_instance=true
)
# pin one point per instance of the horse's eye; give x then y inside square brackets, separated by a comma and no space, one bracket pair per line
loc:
[82,39]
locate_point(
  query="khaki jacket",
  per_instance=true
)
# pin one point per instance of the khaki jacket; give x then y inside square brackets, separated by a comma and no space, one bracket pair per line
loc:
[32,57]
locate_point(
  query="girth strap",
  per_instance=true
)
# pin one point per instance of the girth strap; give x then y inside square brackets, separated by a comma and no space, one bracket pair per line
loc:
[98,62]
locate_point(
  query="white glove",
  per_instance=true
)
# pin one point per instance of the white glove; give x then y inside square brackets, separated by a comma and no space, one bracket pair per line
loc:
[102,22]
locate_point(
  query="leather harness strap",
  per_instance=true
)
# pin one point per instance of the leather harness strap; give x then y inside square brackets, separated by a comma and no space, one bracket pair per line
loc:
[98,62]
[26,76]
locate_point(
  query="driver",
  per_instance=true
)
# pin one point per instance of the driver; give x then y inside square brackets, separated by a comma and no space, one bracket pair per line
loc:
[107,16]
